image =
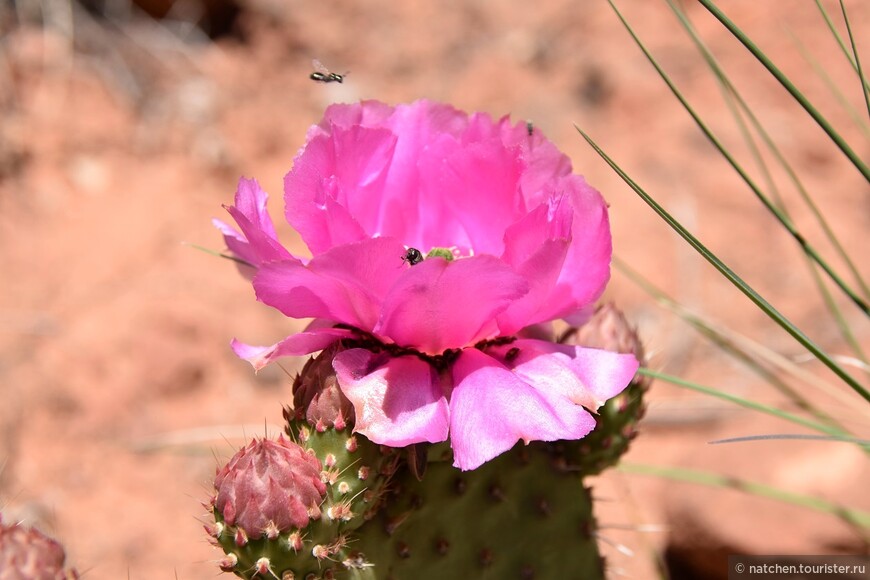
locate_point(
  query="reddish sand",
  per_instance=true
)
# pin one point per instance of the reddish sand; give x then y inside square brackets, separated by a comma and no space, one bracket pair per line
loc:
[119,142]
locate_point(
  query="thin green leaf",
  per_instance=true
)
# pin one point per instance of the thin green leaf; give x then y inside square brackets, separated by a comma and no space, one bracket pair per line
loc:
[746,403]
[857,519]
[744,350]
[733,99]
[783,220]
[836,34]
[789,86]
[857,59]
[837,313]
[731,92]
[842,44]
[793,437]
[731,276]
[820,71]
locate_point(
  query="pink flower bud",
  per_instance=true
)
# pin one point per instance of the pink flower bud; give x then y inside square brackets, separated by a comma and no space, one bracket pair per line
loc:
[267,485]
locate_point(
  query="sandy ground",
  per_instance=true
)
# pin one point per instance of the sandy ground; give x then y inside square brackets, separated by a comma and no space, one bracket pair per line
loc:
[121,138]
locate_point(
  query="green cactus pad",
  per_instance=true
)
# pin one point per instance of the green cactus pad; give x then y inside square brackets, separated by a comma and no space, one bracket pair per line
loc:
[518,516]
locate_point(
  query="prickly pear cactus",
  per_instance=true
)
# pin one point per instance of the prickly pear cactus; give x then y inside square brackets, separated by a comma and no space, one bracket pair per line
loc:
[330,504]
[518,516]
[286,508]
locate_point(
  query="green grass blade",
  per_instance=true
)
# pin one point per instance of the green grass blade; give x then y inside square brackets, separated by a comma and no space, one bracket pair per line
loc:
[860,520]
[836,34]
[783,220]
[820,71]
[793,437]
[742,349]
[789,86]
[731,95]
[731,276]
[760,352]
[839,318]
[746,403]
[732,92]
[857,59]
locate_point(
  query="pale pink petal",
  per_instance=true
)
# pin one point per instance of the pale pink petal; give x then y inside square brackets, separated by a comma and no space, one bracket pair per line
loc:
[257,242]
[346,284]
[586,376]
[491,409]
[335,185]
[397,401]
[439,304]
[295,345]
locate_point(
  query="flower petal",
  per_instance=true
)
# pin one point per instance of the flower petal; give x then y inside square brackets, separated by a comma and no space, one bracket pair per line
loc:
[586,376]
[335,185]
[491,408]
[477,183]
[295,345]
[440,304]
[407,206]
[586,269]
[347,284]
[257,242]
[397,401]
[536,247]
[544,161]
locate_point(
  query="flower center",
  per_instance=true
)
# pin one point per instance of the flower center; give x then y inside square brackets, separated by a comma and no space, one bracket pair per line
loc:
[441,361]
[448,254]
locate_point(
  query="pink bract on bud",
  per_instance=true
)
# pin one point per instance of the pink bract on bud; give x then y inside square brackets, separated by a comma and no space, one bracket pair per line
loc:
[28,553]
[317,395]
[268,484]
[608,329]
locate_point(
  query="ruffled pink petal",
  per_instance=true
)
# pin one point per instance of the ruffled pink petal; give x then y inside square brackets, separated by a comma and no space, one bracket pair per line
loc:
[491,408]
[397,401]
[347,284]
[536,247]
[368,113]
[336,184]
[477,185]
[296,345]
[586,268]
[410,207]
[544,162]
[257,242]
[586,376]
[439,304]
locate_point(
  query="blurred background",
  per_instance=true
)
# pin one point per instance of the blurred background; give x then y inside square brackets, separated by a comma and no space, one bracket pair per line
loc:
[125,125]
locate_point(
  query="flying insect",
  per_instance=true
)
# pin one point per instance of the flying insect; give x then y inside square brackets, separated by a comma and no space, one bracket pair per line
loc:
[322,74]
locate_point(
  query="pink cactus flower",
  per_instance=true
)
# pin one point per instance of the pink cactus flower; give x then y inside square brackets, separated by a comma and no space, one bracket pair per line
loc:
[438,239]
